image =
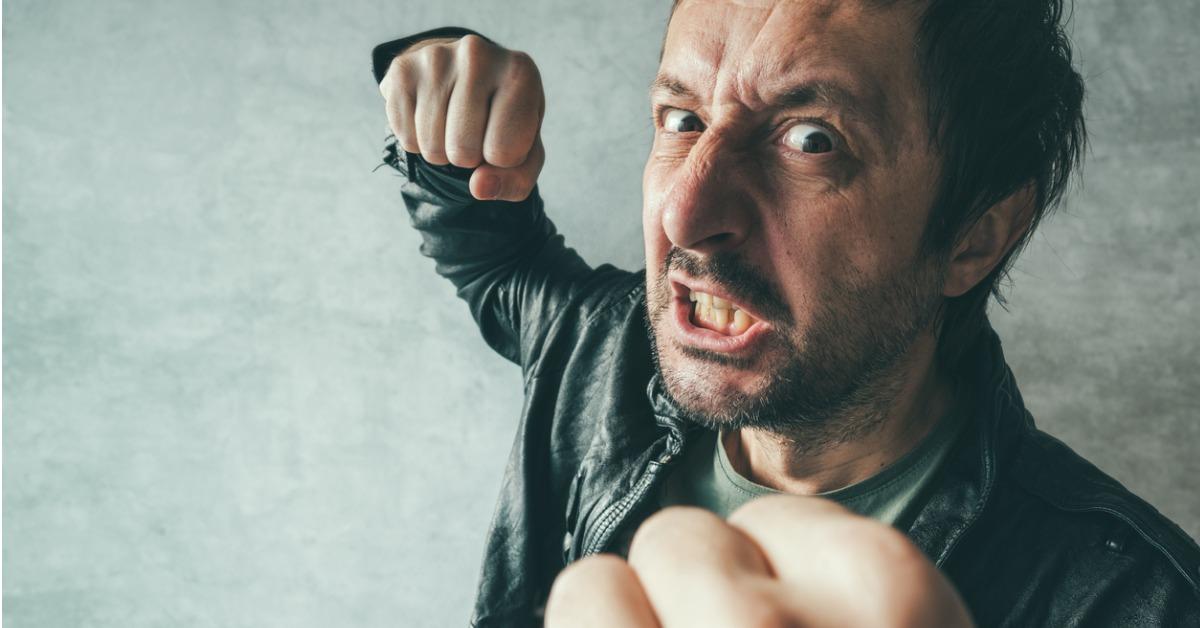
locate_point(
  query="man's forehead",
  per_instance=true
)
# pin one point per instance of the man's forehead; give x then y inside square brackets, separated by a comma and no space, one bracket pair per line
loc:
[757,44]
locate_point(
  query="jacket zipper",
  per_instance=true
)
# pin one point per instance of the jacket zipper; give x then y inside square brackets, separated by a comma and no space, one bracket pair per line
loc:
[615,514]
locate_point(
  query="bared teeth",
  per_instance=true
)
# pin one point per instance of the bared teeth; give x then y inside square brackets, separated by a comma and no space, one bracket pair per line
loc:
[720,314]
[696,296]
[741,322]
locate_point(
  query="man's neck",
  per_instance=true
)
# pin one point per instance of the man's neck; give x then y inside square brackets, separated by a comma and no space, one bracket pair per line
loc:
[923,397]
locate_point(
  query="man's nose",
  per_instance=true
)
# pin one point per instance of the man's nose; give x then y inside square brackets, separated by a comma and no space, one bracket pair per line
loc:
[706,209]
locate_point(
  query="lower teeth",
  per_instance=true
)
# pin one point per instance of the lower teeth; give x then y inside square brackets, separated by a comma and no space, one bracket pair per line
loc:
[727,320]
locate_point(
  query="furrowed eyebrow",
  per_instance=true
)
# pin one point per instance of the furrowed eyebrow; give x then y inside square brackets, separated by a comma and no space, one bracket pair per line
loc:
[813,93]
[833,96]
[668,83]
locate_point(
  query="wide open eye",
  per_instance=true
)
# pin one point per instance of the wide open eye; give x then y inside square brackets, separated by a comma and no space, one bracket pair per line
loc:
[809,139]
[681,121]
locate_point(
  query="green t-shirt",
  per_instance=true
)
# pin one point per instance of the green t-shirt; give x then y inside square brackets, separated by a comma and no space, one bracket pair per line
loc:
[705,478]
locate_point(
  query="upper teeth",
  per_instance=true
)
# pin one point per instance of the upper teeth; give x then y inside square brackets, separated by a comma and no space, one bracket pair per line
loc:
[711,301]
[722,314]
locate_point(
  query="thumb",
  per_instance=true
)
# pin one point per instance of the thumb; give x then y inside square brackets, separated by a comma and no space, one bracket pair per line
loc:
[514,184]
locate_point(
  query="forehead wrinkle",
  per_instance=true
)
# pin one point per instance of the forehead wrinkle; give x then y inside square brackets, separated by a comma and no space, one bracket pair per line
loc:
[798,78]
[764,59]
[774,60]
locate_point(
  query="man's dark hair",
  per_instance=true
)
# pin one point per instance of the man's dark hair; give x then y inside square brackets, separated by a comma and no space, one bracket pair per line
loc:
[1005,111]
[1005,108]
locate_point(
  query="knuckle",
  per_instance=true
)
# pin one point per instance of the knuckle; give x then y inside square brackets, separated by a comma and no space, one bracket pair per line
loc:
[751,511]
[463,155]
[520,61]
[400,72]
[408,143]
[748,512]
[520,66]
[667,528]
[524,72]
[400,63]
[472,47]
[503,157]
[435,157]
[772,507]
[881,545]
[396,79]
[431,148]
[433,59]
[582,573]
[869,547]
[578,582]
[573,578]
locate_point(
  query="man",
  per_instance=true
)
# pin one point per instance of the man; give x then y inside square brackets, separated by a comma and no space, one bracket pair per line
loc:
[833,191]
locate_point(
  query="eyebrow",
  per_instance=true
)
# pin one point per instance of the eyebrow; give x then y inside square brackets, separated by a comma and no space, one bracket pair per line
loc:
[819,93]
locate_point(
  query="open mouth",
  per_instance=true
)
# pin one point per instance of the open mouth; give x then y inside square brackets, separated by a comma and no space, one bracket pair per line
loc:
[706,319]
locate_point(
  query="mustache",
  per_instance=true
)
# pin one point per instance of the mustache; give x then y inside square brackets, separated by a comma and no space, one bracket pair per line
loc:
[730,270]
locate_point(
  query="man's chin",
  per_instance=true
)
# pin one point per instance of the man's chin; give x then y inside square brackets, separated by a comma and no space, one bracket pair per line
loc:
[714,388]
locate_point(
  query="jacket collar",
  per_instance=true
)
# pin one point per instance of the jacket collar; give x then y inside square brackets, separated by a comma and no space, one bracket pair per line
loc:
[996,422]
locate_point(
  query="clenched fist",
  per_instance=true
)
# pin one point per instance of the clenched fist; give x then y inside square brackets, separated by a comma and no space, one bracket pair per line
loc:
[782,560]
[468,102]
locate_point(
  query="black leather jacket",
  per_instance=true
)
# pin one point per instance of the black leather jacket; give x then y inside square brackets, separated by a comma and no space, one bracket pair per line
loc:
[1030,533]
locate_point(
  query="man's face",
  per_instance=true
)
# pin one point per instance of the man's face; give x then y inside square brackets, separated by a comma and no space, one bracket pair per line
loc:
[792,176]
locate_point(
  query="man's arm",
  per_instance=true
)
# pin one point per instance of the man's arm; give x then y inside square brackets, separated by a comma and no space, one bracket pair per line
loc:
[466,116]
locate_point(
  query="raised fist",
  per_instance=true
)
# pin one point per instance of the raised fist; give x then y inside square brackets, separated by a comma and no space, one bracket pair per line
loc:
[468,102]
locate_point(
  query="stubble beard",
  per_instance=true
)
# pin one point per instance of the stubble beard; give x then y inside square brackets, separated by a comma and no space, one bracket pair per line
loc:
[828,384]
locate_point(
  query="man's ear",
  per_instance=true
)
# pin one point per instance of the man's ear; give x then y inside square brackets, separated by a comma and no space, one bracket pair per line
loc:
[988,241]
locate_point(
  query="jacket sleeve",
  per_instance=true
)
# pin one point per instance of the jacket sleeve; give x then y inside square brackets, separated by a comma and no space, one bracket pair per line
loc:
[507,261]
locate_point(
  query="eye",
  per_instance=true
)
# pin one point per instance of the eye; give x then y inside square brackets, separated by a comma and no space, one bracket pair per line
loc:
[807,138]
[681,121]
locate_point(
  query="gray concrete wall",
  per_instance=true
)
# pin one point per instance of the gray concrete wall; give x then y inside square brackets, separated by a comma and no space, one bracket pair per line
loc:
[235,395]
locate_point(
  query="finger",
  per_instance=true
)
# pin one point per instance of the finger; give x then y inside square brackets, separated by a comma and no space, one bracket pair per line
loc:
[466,122]
[599,591]
[841,567]
[400,109]
[796,531]
[697,570]
[516,115]
[467,111]
[490,182]
[433,95]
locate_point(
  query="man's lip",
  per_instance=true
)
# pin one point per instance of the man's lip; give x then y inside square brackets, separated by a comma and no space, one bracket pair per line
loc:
[690,334]
[682,286]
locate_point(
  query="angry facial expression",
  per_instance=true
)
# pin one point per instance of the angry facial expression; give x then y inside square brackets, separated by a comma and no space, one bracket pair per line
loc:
[786,193]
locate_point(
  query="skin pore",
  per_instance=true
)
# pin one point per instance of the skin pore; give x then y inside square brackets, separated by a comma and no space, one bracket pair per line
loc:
[792,173]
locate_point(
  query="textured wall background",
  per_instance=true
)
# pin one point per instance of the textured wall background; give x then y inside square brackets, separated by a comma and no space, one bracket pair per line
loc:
[235,395]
